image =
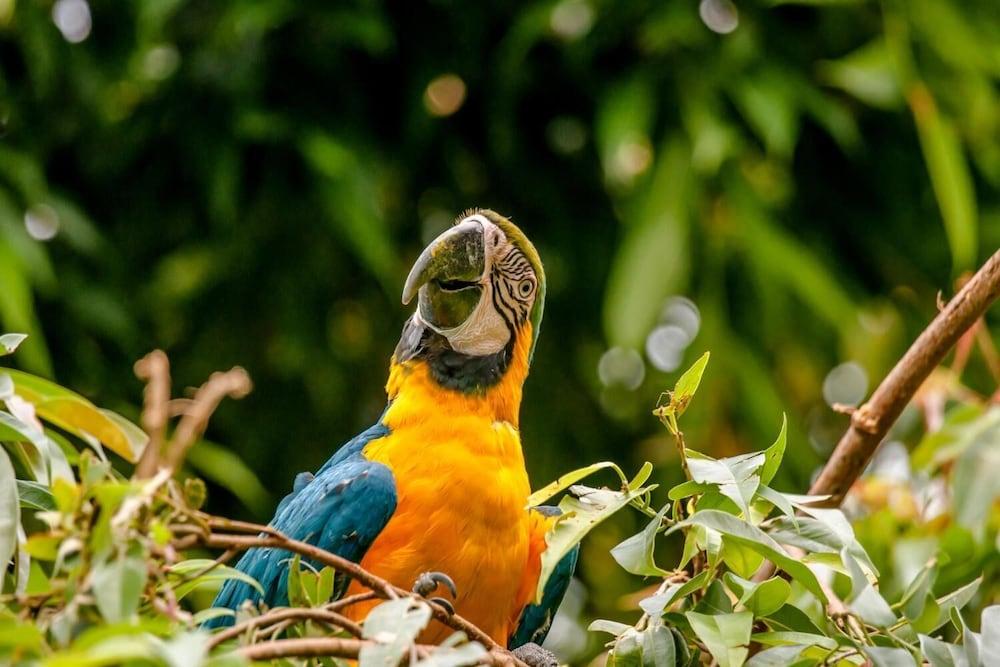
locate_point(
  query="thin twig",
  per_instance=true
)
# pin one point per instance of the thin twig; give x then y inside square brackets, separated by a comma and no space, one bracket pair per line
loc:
[285,614]
[871,422]
[234,383]
[154,369]
[350,600]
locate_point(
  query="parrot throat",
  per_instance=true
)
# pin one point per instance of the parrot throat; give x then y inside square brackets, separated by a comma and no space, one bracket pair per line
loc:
[451,369]
[424,363]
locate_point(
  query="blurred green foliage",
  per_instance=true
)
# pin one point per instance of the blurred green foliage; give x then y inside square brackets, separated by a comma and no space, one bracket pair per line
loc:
[248,182]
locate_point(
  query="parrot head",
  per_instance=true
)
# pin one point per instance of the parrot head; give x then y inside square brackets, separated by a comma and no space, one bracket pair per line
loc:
[480,290]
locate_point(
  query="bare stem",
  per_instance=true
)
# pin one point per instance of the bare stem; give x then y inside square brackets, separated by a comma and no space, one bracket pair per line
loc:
[154,369]
[234,383]
[871,422]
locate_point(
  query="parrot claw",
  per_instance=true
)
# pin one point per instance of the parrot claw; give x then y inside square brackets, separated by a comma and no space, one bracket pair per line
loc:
[428,582]
[448,607]
[534,655]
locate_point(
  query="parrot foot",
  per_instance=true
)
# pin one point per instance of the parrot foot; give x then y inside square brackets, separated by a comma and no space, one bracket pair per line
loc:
[448,607]
[428,582]
[534,655]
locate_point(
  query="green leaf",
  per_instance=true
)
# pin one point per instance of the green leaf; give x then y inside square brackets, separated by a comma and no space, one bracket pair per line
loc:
[569,479]
[756,539]
[658,648]
[687,489]
[117,585]
[989,649]
[218,574]
[9,342]
[687,385]
[71,412]
[792,619]
[690,586]
[627,651]
[470,653]
[10,513]
[762,598]
[740,559]
[325,585]
[942,654]
[795,638]
[779,500]
[865,601]
[611,627]
[735,477]
[774,453]
[827,531]
[35,496]
[883,656]
[635,554]
[955,600]
[949,176]
[392,626]
[915,596]
[866,73]
[582,511]
[974,482]
[727,636]
[778,656]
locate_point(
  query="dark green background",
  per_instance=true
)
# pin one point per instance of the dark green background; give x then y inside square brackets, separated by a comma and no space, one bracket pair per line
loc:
[248,183]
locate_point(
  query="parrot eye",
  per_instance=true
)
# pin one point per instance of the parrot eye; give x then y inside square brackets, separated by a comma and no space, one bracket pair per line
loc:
[526,287]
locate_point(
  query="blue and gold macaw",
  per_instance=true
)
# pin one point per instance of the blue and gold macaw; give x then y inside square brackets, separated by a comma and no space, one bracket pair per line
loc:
[439,483]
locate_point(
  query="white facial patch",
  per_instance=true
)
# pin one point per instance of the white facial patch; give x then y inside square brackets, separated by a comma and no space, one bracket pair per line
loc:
[484,331]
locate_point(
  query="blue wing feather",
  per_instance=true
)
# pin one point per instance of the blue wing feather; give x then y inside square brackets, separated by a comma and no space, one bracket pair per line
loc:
[341,509]
[536,619]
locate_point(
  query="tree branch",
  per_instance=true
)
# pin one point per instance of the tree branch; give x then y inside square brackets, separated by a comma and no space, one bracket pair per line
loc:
[268,537]
[317,647]
[285,614]
[871,422]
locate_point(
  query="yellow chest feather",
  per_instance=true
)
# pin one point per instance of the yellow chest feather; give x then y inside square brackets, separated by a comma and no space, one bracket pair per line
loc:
[461,491]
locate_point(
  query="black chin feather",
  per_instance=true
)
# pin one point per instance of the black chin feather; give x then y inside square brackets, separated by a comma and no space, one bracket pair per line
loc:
[453,370]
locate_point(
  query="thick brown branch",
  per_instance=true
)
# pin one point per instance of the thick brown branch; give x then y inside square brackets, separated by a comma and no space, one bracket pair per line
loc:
[871,422]
[286,614]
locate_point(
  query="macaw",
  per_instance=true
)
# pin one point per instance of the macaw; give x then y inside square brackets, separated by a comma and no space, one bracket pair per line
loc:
[436,490]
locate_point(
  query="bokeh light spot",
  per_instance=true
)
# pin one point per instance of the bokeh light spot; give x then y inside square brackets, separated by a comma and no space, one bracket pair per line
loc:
[72,17]
[444,95]
[683,313]
[621,367]
[567,135]
[160,62]
[42,222]
[665,347]
[846,384]
[720,16]
[571,19]
[630,159]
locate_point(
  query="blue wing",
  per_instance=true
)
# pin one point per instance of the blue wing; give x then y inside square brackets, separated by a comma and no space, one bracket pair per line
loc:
[342,509]
[536,619]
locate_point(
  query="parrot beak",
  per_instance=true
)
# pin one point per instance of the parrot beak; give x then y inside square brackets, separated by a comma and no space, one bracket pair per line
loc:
[448,276]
